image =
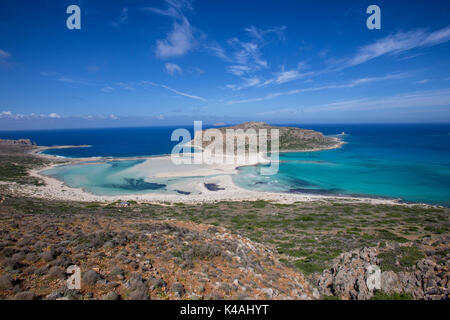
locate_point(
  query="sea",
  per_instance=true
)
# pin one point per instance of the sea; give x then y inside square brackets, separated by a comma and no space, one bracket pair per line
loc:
[409,162]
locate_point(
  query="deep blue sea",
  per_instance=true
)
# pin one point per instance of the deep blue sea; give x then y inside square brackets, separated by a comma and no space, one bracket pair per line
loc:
[406,161]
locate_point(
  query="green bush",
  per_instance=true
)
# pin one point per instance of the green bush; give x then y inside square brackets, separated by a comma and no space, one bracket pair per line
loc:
[381,295]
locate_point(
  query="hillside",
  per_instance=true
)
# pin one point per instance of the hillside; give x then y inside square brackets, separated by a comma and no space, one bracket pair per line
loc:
[128,256]
[291,138]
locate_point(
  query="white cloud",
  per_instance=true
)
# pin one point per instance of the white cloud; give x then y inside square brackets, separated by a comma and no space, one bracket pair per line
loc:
[54,115]
[173,68]
[183,93]
[122,19]
[4,56]
[180,40]
[67,79]
[113,117]
[238,70]
[422,81]
[19,116]
[246,57]
[126,86]
[423,99]
[107,89]
[248,54]
[350,84]
[216,50]
[261,34]
[426,99]
[6,114]
[398,43]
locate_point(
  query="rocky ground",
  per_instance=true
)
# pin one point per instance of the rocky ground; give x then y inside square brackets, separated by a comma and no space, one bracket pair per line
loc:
[420,271]
[135,258]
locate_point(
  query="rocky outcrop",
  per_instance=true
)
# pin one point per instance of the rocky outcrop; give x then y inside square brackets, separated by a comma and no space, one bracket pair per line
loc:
[358,274]
[26,142]
[290,138]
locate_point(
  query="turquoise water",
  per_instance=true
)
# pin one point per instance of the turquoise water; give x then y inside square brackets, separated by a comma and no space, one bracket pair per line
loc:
[410,162]
[414,167]
[112,178]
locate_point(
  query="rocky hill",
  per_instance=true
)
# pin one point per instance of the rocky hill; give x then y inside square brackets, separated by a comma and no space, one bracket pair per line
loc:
[291,138]
[26,142]
[136,258]
[419,271]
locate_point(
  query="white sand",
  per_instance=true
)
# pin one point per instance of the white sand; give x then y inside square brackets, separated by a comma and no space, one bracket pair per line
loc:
[221,175]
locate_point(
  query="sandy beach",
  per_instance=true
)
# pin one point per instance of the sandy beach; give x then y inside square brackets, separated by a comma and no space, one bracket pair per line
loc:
[162,167]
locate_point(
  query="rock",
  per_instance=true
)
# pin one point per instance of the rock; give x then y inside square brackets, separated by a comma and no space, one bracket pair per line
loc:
[54,295]
[316,293]
[134,265]
[25,295]
[48,255]
[90,277]
[6,282]
[117,272]
[157,283]
[178,288]
[57,273]
[137,287]
[390,282]
[347,278]
[109,244]
[268,292]
[111,296]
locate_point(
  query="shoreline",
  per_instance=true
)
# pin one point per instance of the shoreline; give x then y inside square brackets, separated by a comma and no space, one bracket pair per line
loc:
[55,189]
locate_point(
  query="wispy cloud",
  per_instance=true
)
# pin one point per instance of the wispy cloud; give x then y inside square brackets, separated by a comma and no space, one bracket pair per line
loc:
[107,89]
[126,86]
[422,81]
[180,40]
[122,19]
[248,54]
[4,57]
[422,99]
[432,98]
[184,94]
[173,68]
[218,51]
[289,75]
[350,84]
[19,116]
[261,35]
[395,44]
[68,79]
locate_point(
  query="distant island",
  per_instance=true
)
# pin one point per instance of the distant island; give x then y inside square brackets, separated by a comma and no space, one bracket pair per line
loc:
[292,139]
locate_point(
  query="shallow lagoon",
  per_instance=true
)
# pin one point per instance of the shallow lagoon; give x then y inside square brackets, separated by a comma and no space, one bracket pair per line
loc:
[411,162]
[115,178]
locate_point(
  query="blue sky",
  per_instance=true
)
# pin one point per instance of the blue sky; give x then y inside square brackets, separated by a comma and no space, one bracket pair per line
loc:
[174,61]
